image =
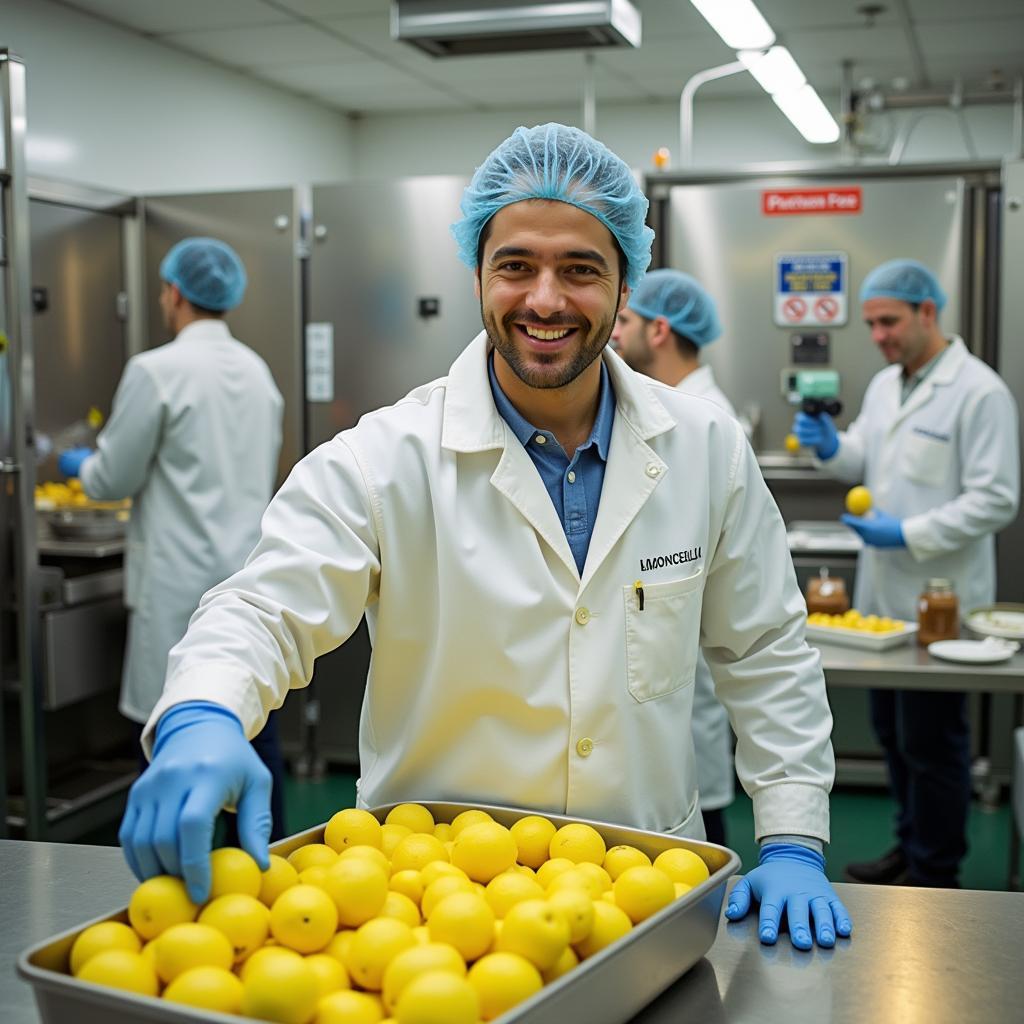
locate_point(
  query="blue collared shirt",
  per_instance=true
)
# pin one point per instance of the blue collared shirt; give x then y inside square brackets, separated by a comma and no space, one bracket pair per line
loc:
[574,485]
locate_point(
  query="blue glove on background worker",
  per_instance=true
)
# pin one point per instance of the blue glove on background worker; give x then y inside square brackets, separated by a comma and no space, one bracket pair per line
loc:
[879,529]
[70,462]
[791,878]
[817,432]
[201,763]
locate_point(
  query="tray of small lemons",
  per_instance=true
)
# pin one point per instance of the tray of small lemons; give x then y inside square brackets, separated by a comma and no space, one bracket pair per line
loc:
[405,914]
[852,629]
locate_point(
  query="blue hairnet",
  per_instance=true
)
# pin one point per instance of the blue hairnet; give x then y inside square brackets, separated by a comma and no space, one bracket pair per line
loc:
[676,296]
[552,161]
[903,279]
[207,272]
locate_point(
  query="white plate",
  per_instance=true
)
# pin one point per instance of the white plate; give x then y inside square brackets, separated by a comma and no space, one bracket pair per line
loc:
[998,620]
[862,637]
[974,652]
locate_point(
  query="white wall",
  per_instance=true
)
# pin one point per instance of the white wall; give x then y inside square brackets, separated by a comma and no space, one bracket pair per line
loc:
[111,109]
[727,133]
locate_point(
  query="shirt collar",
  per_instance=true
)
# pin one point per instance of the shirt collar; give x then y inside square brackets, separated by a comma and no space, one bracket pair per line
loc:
[601,435]
[919,375]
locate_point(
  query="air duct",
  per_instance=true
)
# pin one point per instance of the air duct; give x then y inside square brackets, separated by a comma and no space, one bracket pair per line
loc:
[455,28]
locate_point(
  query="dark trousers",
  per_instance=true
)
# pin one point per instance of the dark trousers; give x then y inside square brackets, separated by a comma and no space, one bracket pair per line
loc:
[714,825]
[927,743]
[268,747]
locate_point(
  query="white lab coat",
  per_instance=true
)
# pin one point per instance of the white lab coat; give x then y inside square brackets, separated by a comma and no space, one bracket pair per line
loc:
[946,462]
[193,438]
[712,740]
[498,673]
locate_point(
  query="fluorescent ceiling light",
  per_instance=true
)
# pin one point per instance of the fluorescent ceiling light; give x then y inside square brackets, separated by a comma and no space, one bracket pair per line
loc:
[739,23]
[775,71]
[809,115]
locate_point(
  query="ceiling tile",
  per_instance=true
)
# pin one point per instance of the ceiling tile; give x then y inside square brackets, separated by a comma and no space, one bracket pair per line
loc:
[158,16]
[266,46]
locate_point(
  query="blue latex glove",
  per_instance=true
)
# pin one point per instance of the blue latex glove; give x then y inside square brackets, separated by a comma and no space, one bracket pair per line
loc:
[201,763]
[818,432]
[877,528]
[791,878]
[70,462]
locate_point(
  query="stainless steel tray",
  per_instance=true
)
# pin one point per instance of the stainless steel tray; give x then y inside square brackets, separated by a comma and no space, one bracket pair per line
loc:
[87,523]
[609,988]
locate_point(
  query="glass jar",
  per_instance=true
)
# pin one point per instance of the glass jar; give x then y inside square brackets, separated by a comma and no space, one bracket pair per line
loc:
[826,594]
[938,613]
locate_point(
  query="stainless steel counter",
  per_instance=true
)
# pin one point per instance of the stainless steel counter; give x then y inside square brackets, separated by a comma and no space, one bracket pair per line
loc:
[916,955]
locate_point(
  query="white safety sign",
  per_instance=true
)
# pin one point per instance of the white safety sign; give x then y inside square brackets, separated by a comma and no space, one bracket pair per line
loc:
[320,362]
[809,289]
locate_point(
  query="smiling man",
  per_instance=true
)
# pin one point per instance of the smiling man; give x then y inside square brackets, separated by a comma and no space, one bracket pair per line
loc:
[541,542]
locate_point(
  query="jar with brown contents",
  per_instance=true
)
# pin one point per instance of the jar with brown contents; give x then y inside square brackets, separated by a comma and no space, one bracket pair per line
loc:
[826,594]
[938,613]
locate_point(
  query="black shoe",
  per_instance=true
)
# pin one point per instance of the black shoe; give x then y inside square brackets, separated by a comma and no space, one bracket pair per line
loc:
[889,869]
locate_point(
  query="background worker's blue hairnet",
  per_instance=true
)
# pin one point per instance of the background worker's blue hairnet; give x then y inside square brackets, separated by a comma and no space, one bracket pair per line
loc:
[676,296]
[207,272]
[552,161]
[903,279]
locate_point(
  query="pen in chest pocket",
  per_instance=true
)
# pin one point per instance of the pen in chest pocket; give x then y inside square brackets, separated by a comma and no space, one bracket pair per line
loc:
[638,587]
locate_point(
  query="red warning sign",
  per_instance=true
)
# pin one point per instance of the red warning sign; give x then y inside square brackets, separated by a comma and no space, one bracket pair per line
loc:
[826,309]
[794,309]
[781,202]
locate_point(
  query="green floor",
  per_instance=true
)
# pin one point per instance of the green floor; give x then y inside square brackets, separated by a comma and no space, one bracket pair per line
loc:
[861,827]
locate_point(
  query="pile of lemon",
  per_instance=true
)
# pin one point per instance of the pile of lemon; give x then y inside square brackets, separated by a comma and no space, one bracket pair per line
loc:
[52,495]
[412,921]
[853,619]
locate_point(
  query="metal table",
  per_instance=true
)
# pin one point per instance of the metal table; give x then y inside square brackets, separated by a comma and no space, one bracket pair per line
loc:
[910,667]
[917,954]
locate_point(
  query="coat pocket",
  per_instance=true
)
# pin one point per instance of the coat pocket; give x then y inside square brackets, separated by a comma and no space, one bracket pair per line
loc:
[926,460]
[662,636]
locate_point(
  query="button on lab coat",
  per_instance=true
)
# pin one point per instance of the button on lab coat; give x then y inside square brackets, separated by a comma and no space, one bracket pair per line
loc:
[492,658]
[193,438]
[946,462]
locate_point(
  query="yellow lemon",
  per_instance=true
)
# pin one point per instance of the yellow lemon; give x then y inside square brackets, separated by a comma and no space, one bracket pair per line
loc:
[610,923]
[406,965]
[158,903]
[279,876]
[339,944]
[278,985]
[348,1007]
[600,880]
[422,934]
[352,827]
[681,888]
[416,851]
[484,850]
[443,831]
[243,920]
[191,945]
[117,968]
[233,870]
[444,886]
[438,868]
[370,853]
[100,937]
[509,888]
[536,930]
[358,887]
[304,918]
[374,945]
[503,980]
[565,963]
[858,501]
[208,988]
[315,876]
[618,858]
[438,997]
[312,855]
[577,908]
[643,891]
[148,953]
[576,879]
[465,921]
[408,883]
[401,908]
[578,842]
[467,818]
[551,869]
[391,835]
[792,443]
[682,866]
[533,835]
[414,817]
[330,972]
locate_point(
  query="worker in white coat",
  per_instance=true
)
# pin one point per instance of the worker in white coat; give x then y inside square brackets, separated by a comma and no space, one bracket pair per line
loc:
[540,542]
[193,438]
[668,319]
[936,443]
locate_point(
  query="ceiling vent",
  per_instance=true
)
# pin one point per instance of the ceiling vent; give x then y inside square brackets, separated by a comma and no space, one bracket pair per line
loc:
[456,28]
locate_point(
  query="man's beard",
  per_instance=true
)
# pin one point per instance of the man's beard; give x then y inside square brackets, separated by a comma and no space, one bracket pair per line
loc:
[595,338]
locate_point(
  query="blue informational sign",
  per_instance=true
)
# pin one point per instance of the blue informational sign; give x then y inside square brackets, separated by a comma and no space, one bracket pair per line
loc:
[810,289]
